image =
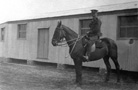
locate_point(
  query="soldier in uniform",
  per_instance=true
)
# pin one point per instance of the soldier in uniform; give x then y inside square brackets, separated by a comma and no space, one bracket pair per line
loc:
[94,33]
[95,25]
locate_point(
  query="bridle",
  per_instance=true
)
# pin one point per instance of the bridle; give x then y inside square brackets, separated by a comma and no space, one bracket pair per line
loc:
[60,43]
[64,42]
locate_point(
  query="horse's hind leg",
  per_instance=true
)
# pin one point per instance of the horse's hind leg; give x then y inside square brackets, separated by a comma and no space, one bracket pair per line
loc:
[108,66]
[117,67]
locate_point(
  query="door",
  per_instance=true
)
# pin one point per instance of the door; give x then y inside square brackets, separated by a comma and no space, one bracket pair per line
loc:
[43,43]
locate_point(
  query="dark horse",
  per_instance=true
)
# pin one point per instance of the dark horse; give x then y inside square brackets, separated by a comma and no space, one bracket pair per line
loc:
[77,50]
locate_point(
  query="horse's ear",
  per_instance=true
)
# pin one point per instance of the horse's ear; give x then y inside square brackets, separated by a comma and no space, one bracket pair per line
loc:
[60,23]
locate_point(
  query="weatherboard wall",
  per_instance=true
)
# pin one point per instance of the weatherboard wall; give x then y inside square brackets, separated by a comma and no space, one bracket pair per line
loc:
[12,47]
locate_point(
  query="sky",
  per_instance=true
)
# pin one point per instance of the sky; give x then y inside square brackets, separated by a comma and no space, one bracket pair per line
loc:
[20,9]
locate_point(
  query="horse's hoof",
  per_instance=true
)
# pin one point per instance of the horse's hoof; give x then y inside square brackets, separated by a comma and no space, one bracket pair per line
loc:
[118,82]
[106,81]
[78,88]
[75,87]
[78,84]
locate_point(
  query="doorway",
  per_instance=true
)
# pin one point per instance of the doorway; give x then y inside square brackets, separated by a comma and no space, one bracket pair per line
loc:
[43,43]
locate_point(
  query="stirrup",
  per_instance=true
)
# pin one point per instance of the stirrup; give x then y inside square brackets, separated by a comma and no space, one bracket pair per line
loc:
[87,58]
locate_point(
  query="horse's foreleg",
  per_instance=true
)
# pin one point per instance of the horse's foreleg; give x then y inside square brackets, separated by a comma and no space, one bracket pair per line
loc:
[108,66]
[78,69]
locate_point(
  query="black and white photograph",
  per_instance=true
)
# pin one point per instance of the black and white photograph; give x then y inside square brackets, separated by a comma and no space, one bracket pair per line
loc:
[69,45]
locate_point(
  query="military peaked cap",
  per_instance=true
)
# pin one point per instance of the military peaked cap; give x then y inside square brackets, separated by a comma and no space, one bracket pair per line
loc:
[94,11]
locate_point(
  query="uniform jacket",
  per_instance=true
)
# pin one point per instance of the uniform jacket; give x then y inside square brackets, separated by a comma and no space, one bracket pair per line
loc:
[95,26]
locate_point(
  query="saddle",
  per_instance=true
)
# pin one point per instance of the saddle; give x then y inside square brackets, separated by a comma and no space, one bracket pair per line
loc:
[98,44]
[93,45]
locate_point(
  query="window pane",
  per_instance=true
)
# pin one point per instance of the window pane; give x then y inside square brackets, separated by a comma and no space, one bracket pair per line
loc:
[83,31]
[22,35]
[130,32]
[22,26]
[135,31]
[129,20]
[2,33]
[85,23]
[84,26]
[22,31]
[123,32]
[128,26]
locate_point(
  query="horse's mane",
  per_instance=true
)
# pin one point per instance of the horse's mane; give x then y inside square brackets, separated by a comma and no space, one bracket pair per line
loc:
[70,31]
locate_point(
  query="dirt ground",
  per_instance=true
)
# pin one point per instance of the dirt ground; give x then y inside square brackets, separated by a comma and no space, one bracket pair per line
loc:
[26,77]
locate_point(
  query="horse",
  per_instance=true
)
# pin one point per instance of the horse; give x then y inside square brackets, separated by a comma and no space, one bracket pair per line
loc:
[77,50]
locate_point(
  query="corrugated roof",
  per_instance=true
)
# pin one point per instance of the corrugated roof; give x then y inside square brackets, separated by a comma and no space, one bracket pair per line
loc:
[104,8]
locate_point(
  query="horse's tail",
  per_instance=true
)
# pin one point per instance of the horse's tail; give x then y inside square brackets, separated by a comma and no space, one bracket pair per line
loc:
[112,47]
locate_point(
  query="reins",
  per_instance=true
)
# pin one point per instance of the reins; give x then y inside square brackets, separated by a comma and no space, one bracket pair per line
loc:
[77,39]
[74,45]
[67,42]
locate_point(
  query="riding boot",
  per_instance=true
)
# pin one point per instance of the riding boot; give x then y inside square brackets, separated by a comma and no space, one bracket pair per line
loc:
[87,54]
[86,58]
[89,48]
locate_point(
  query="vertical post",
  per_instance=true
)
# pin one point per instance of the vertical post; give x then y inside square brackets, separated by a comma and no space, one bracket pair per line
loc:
[4,60]
[30,62]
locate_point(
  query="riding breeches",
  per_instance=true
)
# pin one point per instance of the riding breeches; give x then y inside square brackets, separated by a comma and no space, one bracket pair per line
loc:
[89,44]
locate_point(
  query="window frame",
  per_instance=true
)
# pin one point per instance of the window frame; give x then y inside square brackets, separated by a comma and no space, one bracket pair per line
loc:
[80,27]
[119,26]
[2,31]
[19,31]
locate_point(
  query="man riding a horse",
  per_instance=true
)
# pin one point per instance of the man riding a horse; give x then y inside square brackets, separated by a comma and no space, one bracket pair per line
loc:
[77,49]
[93,35]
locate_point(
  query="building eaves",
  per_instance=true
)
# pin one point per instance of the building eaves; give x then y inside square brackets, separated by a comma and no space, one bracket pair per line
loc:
[104,8]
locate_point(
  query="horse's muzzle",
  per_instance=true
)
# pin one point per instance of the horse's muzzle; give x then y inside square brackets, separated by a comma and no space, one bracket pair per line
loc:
[54,42]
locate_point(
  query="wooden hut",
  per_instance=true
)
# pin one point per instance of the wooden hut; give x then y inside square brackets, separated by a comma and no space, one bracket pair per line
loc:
[30,39]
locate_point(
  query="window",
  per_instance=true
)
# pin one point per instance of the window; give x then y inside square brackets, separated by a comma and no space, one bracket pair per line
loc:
[22,31]
[84,26]
[2,34]
[128,26]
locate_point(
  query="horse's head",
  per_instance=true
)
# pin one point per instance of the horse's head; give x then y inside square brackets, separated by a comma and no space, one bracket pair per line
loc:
[59,34]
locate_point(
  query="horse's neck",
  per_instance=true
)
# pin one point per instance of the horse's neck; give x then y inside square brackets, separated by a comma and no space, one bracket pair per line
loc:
[70,35]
